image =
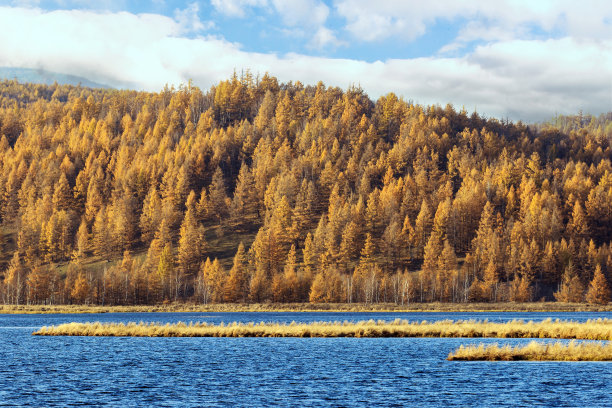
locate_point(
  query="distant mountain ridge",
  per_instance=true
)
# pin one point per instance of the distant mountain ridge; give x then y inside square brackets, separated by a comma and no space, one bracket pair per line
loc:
[41,76]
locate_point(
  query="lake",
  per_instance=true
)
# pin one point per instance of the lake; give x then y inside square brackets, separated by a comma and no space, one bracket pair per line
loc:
[292,372]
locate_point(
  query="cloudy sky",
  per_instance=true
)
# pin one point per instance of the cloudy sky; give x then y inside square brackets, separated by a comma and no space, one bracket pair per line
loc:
[518,59]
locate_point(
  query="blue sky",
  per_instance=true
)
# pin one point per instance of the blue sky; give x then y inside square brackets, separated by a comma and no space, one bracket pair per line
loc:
[509,58]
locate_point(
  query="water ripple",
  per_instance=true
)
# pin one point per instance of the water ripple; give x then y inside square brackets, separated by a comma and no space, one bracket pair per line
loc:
[291,372]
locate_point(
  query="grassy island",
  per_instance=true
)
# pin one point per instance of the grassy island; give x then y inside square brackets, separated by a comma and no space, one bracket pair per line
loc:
[600,329]
[535,351]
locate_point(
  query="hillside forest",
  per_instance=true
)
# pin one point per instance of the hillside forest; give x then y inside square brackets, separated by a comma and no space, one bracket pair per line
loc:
[260,191]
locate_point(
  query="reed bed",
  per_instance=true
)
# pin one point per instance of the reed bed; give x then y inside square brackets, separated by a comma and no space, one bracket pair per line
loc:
[599,329]
[311,307]
[535,351]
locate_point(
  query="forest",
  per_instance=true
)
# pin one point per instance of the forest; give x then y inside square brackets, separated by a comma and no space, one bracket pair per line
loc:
[257,191]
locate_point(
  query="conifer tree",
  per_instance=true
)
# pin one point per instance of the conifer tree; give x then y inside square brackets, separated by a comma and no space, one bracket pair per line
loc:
[191,241]
[151,215]
[571,289]
[550,267]
[491,281]
[80,290]
[82,240]
[165,269]
[123,221]
[348,244]
[427,274]
[62,196]
[475,291]
[326,287]
[15,280]
[406,240]
[577,227]
[283,114]
[430,274]
[291,277]
[422,229]
[217,196]
[441,219]
[101,234]
[217,277]
[285,285]
[280,227]
[521,289]
[237,288]
[94,201]
[447,270]
[368,251]
[244,208]
[317,290]
[266,112]
[481,244]
[391,244]
[259,290]
[203,286]
[42,285]
[599,289]
[309,257]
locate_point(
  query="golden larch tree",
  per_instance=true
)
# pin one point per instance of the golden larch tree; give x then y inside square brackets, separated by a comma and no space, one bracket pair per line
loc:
[599,289]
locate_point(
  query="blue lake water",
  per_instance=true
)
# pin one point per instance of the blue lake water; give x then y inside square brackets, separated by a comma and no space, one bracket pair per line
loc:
[293,372]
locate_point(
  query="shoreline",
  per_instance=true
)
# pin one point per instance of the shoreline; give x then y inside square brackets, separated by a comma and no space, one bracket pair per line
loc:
[309,308]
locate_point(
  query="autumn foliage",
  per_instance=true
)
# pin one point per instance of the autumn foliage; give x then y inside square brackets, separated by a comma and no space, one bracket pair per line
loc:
[257,191]
[599,329]
[535,351]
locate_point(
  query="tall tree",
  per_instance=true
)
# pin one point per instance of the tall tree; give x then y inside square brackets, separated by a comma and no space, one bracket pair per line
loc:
[191,243]
[217,195]
[422,228]
[237,288]
[577,227]
[599,289]
[244,208]
[151,215]
[15,280]
[571,289]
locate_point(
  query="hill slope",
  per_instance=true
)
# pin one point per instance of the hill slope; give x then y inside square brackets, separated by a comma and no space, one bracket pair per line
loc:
[116,197]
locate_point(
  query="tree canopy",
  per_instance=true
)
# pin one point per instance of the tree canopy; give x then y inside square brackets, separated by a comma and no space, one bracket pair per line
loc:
[256,190]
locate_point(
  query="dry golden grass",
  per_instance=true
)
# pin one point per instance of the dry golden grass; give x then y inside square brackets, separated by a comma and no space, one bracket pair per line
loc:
[600,329]
[310,307]
[574,351]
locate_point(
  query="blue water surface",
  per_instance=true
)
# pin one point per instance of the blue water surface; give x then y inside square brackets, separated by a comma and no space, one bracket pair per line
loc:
[293,372]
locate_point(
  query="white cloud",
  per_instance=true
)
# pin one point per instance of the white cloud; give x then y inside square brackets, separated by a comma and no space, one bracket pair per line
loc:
[302,12]
[325,38]
[236,8]
[189,20]
[529,80]
[375,21]
[477,30]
